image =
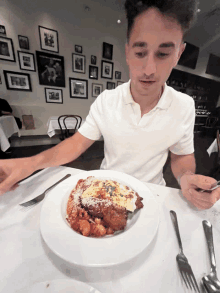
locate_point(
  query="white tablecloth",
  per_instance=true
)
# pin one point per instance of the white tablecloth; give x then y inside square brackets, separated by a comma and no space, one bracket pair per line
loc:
[26,259]
[53,124]
[213,147]
[8,126]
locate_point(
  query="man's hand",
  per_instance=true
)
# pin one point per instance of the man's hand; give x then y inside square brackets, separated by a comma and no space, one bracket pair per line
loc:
[12,171]
[190,183]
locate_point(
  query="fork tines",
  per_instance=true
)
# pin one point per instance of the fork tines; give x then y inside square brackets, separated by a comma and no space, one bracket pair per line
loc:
[187,275]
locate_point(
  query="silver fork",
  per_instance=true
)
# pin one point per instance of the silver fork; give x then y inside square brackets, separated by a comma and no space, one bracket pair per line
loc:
[182,262]
[41,196]
[210,281]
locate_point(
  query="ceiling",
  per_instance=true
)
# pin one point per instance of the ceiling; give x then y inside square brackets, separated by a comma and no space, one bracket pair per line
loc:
[204,34]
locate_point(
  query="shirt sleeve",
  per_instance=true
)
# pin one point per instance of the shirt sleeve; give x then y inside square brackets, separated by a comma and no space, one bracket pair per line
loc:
[185,145]
[90,127]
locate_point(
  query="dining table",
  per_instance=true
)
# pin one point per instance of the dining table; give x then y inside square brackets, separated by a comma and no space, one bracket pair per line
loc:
[8,127]
[26,258]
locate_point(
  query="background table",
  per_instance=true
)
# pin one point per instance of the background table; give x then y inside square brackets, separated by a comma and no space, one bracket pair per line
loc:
[26,259]
[53,124]
[8,126]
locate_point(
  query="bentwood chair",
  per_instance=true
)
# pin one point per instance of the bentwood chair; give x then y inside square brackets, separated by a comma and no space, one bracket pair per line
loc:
[69,132]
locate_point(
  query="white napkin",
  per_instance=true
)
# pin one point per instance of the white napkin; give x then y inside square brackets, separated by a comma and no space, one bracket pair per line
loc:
[213,147]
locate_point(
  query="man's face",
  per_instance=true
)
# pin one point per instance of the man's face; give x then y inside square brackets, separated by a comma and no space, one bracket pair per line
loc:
[154,48]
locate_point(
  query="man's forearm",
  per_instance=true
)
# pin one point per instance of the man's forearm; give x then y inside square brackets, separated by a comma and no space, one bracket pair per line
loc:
[182,164]
[65,152]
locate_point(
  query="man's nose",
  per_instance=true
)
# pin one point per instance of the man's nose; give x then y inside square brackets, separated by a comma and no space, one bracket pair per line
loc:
[149,65]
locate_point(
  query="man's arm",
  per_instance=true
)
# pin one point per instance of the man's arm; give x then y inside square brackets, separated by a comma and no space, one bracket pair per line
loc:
[181,164]
[14,170]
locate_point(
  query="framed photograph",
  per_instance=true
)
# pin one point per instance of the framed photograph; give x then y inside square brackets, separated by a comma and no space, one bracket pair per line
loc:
[107,51]
[110,85]
[50,69]
[79,63]
[107,69]
[120,82]
[17,81]
[23,42]
[48,39]
[26,61]
[96,89]
[117,75]
[78,88]
[93,72]
[54,95]
[2,30]
[7,49]
[93,60]
[78,49]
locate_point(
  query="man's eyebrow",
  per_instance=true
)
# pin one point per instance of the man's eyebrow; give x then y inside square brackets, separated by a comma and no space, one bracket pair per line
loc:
[139,44]
[167,45]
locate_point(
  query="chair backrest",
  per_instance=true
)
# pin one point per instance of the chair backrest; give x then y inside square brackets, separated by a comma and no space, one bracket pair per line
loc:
[211,121]
[62,135]
[67,132]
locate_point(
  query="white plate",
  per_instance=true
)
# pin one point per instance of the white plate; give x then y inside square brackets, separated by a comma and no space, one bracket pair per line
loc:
[62,286]
[98,252]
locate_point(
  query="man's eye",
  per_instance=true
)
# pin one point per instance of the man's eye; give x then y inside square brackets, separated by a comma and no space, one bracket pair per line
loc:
[140,54]
[162,55]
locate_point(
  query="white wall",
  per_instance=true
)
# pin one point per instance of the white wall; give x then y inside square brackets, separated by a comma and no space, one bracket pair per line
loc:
[74,26]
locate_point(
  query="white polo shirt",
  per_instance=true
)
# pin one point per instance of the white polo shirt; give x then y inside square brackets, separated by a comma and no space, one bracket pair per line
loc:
[139,145]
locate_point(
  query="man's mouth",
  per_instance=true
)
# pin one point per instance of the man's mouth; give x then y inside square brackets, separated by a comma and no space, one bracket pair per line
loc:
[147,81]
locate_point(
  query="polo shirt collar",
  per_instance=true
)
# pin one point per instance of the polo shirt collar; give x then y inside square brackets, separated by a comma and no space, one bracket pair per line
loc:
[163,103]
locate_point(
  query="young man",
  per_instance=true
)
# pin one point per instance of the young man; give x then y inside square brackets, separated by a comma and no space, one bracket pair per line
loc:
[144,119]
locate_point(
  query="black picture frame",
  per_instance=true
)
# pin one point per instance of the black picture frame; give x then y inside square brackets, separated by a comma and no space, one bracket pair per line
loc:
[53,95]
[97,89]
[78,88]
[189,56]
[93,60]
[23,42]
[79,63]
[7,52]
[26,61]
[110,85]
[213,65]
[48,39]
[17,81]
[2,30]
[93,72]
[117,74]
[78,49]
[107,69]
[51,71]
[107,51]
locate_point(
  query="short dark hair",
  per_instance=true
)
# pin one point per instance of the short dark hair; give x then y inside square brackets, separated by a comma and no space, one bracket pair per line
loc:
[183,11]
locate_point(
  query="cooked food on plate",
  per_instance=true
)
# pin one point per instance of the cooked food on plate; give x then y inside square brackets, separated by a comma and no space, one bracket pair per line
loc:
[100,207]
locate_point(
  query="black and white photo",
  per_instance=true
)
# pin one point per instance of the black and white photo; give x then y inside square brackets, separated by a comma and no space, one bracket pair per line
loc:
[53,95]
[26,61]
[93,72]
[93,60]
[48,39]
[110,85]
[96,89]
[23,42]
[2,30]
[79,63]
[50,69]
[78,88]
[117,75]
[107,51]
[7,49]
[17,81]
[78,49]
[107,69]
